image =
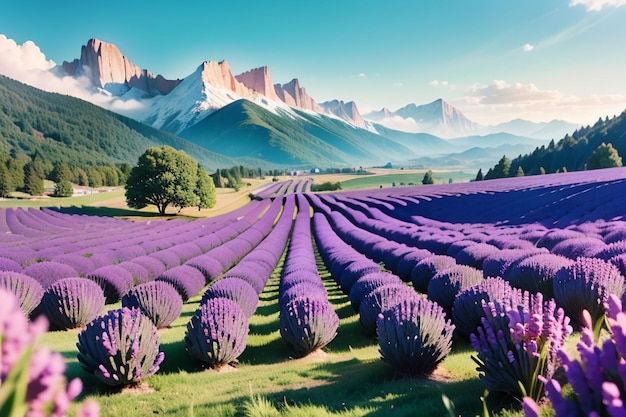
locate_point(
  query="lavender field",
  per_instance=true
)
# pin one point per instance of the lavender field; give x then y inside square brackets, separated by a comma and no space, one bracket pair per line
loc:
[500,271]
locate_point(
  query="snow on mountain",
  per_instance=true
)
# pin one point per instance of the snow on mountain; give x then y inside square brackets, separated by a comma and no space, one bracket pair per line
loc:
[438,118]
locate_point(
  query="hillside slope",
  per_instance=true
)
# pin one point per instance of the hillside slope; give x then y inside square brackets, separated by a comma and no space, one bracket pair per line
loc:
[572,152]
[63,128]
[297,138]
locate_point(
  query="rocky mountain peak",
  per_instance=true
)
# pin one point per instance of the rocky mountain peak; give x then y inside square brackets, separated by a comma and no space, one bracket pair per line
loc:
[347,111]
[259,80]
[107,68]
[294,95]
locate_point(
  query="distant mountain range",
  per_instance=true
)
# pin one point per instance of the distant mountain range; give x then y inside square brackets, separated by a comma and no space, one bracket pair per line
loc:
[249,117]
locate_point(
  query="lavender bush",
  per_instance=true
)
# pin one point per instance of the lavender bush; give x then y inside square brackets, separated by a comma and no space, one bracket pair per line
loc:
[536,273]
[157,300]
[32,379]
[120,348]
[10,265]
[27,290]
[236,289]
[425,269]
[586,285]
[379,300]
[467,309]
[72,302]
[187,280]
[516,345]
[308,324]
[414,336]
[217,332]
[114,280]
[446,284]
[46,273]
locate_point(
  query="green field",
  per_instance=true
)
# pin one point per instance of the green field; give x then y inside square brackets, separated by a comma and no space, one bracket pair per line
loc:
[403,179]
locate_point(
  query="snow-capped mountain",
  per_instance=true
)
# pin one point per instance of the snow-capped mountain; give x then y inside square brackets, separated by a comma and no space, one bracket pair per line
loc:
[438,118]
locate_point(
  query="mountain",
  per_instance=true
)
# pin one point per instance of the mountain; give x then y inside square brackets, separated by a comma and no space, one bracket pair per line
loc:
[107,68]
[63,128]
[294,137]
[496,139]
[543,130]
[439,118]
[346,111]
[292,94]
[573,151]
[419,143]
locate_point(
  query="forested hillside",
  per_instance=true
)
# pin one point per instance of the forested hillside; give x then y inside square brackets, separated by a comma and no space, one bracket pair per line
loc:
[573,151]
[64,129]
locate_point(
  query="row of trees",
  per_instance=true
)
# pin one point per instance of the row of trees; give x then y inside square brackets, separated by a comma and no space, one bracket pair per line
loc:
[27,174]
[604,156]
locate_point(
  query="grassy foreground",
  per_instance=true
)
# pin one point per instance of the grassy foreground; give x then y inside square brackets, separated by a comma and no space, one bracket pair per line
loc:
[346,379]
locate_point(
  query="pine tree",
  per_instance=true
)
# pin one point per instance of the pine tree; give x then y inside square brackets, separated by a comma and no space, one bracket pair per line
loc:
[479,175]
[33,183]
[520,171]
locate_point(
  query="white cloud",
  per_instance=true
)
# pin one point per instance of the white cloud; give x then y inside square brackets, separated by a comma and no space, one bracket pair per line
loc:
[443,84]
[361,75]
[501,92]
[500,100]
[597,5]
[27,64]
[528,47]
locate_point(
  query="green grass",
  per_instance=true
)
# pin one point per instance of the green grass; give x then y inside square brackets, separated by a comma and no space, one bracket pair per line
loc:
[347,379]
[78,201]
[386,181]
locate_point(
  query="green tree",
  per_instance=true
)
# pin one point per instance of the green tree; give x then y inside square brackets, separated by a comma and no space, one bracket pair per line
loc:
[520,171]
[60,172]
[479,175]
[33,182]
[605,156]
[63,188]
[205,189]
[428,178]
[501,170]
[5,181]
[542,171]
[163,177]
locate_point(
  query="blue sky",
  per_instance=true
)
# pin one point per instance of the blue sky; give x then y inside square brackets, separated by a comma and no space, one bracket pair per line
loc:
[493,59]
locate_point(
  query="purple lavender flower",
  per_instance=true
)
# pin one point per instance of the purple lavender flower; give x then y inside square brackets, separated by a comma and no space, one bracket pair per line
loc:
[187,280]
[27,290]
[72,302]
[308,324]
[425,269]
[217,332]
[414,336]
[114,280]
[446,284]
[516,344]
[46,273]
[467,309]
[158,300]
[45,386]
[586,285]
[381,299]
[236,289]
[120,348]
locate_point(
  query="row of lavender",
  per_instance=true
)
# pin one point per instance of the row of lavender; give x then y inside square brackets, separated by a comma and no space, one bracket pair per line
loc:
[509,285]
